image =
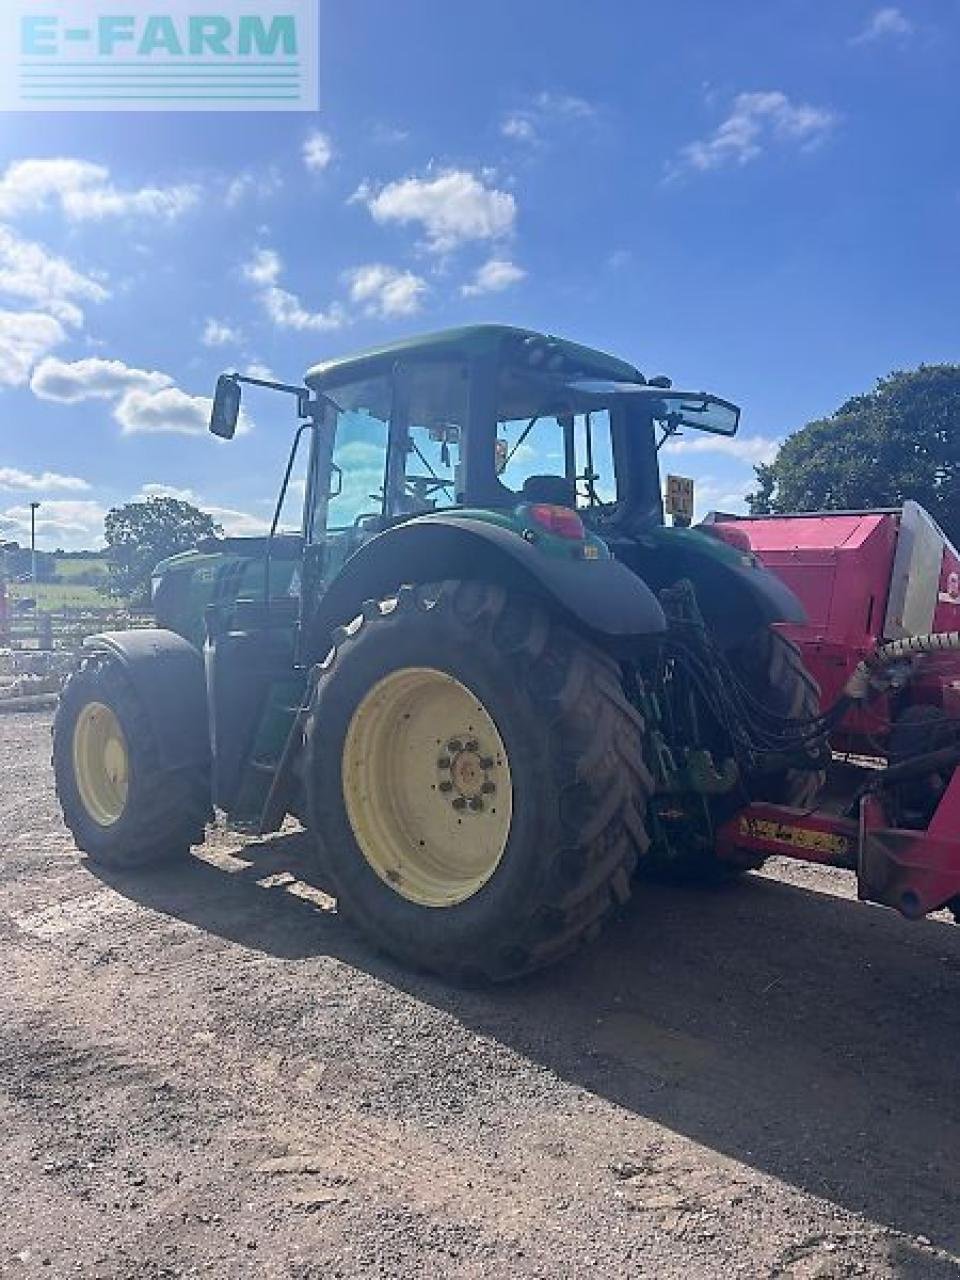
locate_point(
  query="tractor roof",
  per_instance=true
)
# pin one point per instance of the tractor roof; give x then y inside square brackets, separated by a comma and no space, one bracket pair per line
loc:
[470,340]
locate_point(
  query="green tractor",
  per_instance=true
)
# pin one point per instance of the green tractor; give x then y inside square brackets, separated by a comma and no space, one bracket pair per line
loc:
[481,671]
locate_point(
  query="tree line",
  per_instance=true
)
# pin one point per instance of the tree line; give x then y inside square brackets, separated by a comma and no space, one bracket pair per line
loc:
[901,440]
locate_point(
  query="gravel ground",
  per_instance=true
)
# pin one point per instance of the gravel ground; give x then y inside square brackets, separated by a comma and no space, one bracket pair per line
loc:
[203,1071]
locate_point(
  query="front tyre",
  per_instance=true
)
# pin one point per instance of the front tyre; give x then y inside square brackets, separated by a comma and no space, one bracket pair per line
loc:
[475,777]
[121,807]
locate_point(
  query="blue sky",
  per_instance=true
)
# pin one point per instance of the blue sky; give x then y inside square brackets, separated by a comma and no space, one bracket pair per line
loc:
[758,199]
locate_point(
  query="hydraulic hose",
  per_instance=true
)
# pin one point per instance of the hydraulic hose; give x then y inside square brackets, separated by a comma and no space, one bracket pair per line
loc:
[861,682]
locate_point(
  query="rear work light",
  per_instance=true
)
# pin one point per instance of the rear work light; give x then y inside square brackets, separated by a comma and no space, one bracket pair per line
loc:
[560,521]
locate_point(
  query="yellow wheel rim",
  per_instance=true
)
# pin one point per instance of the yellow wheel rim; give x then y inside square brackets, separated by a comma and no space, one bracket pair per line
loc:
[101,763]
[426,783]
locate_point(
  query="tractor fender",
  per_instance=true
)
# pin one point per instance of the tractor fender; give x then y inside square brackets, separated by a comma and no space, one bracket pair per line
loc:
[735,593]
[167,676]
[601,597]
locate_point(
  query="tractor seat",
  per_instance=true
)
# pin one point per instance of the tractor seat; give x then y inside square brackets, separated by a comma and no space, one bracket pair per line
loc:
[556,490]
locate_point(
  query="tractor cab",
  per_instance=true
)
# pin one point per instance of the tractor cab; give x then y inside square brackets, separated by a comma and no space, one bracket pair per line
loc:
[482,418]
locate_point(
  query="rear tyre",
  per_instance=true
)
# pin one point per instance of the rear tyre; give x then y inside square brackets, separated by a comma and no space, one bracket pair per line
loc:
[771,668]
[121,807]
[474,774]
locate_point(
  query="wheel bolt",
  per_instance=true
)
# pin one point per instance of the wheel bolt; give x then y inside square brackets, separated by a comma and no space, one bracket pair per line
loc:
[486,762]
[488,788]
[459,803]
[476,803]
[454,745]
[443,762]
[446,786]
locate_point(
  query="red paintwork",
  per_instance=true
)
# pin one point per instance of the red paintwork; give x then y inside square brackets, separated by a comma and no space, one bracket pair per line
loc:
[915,872]
[840,567]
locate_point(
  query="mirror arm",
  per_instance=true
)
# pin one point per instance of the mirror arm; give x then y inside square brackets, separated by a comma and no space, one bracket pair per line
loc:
[304,400]
[302,394]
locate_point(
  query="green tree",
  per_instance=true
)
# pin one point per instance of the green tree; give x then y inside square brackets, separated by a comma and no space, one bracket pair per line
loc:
[900,441]
[141,534]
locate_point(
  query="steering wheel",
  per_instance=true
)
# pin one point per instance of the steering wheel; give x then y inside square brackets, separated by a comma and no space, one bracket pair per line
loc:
[423,487]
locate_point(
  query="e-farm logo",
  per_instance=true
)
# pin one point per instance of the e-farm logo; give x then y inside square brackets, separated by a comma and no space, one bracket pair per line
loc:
[159,55]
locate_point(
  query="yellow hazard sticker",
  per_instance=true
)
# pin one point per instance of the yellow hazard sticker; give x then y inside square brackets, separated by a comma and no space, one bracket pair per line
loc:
[795,837]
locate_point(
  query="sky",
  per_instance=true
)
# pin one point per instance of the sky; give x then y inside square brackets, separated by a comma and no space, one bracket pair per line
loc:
[760,200]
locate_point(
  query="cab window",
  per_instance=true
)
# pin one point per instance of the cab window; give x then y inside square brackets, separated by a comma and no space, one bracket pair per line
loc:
[576,447]
[433,405]
[359,451]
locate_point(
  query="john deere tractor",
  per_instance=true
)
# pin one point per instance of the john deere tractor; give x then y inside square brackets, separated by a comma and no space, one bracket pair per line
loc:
[481,672]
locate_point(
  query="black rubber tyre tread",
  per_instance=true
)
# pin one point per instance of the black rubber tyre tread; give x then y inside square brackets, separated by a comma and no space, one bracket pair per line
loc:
[789,684]
[166,811]
[772,667]
[566,690]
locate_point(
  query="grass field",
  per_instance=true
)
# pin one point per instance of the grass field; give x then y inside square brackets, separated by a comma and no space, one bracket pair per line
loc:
[74,568]
[51,596]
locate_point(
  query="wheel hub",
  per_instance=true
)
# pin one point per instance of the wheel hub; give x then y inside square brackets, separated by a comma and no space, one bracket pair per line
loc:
[469,772]
[101,763]
[427,787]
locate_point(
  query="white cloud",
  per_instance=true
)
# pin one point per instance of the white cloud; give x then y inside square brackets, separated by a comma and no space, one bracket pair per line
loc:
[453,207]
[756,122]
[31,272]
[253,186]
[236,524]
[888,21]
[565,104]
[257,369]
[385,291]
[264,268]
[747,449]
[217,333]
[284,308]
[44,482]
[155,490]
[518,127]
[317,152]
[493,277]
[71,382]
[287,312]
[545,111]
[170,411]
[710,494]
[84,192]
[67,523]
[146,401]
[25,338]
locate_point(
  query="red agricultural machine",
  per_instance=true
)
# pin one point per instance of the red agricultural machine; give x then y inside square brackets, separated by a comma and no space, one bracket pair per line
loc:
[881,590]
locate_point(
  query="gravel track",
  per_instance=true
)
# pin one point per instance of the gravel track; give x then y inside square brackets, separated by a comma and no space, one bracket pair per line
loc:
[204,1072]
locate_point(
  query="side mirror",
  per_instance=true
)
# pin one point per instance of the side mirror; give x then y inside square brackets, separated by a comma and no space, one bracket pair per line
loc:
[226,407]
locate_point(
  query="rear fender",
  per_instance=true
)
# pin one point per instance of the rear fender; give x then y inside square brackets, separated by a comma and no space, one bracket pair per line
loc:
[735,593]
[600,597]
[167,675]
